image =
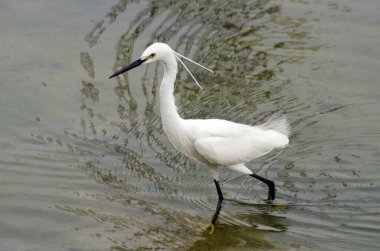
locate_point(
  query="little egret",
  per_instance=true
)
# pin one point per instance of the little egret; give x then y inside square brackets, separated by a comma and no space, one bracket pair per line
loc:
[213,142]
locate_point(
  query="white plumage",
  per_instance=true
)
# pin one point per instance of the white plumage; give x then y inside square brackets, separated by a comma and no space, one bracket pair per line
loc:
[213,142]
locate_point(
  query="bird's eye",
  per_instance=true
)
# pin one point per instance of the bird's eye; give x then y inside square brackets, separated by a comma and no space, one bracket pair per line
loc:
[152,55]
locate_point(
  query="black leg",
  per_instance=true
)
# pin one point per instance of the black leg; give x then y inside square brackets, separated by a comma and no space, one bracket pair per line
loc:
[219,190]
[217,212]
[270,184]
[218,206]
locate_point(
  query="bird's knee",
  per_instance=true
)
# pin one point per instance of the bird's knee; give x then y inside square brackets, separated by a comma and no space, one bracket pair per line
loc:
[214,172]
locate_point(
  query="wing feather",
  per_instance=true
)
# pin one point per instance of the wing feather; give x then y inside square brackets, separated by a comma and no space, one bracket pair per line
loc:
[239,148]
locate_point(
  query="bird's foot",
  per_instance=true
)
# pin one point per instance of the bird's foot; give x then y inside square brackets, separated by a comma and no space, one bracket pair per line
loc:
[272,191]
[271,197]
[212,229]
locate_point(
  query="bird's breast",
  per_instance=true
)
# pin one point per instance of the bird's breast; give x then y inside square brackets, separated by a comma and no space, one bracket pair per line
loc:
[183,140]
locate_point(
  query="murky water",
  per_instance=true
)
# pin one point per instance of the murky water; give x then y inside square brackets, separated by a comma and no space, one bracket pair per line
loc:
[84,162]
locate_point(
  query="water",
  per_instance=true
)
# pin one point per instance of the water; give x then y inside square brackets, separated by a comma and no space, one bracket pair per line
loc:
[85,164]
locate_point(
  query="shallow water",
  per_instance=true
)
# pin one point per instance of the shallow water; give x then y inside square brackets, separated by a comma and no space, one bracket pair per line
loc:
[84,162]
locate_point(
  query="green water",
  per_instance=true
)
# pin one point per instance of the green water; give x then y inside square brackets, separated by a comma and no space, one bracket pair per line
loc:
[85,164]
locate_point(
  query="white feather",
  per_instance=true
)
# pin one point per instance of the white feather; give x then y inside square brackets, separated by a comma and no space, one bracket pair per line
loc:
[226,143]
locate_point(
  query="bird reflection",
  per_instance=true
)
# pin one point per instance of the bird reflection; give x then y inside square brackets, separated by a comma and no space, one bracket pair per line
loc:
[257,214]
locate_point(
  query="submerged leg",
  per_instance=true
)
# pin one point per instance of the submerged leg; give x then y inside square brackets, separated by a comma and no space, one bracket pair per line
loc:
[270,184]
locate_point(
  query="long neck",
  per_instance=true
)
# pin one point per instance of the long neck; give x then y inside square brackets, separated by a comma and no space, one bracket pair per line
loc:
[169,115]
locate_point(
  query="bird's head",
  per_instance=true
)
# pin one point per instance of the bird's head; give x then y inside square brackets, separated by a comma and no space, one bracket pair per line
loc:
[156,51]
[163,52]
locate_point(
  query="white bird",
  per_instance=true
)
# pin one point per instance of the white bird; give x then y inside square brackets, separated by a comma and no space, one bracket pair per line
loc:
[213,142]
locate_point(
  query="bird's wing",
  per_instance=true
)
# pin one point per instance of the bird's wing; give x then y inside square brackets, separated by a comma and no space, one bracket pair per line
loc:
[239,148]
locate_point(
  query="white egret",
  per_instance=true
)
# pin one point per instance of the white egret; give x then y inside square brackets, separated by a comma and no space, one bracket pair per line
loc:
[213,142]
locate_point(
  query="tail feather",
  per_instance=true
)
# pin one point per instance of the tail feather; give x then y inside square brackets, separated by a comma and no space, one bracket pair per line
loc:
[278,123]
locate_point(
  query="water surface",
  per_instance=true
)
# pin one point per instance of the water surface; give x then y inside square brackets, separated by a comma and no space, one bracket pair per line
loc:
[85,164]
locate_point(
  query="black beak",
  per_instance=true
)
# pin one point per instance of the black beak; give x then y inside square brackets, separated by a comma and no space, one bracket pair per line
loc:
[129,67]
